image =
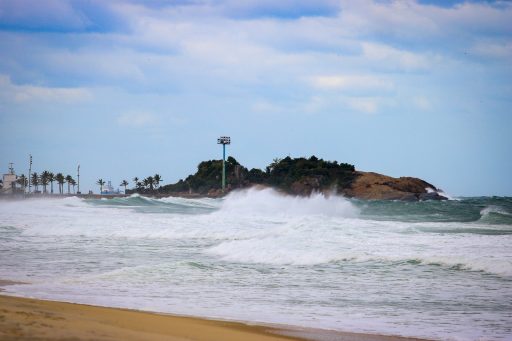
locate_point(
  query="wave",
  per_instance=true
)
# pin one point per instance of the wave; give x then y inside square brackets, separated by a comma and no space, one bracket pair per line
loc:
[297,253]
[495,215]
[264,226]
[162,205]
[267,202]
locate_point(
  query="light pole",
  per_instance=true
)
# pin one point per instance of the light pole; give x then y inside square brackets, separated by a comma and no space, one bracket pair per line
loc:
[224,140]
[78,176]
[29,177]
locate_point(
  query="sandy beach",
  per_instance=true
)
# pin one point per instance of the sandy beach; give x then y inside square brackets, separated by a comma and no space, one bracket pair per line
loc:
[32,319]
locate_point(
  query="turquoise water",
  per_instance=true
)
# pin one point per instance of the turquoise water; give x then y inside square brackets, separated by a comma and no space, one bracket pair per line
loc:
[439,270]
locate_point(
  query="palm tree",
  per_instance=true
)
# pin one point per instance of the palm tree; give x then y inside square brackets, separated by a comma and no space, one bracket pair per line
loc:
[35,180]
[136,181]
[45,178]
[60,180]
[101,183]
[23,181]
[69,180]
[150,182]
[124,183]
[73,183]
[51,178]
[157,179]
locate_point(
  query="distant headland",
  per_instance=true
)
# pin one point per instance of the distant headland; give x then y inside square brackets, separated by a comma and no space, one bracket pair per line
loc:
[297,176]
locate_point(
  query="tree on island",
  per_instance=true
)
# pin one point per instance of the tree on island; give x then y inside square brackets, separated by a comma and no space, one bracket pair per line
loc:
[100,182]
[291,175]
[136,181]
[124,183]
[35,181]
[69,180]
[149,182]
[60,180]
[157,179]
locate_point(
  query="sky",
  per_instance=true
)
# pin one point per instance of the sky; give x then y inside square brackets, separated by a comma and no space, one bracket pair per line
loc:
[134,88]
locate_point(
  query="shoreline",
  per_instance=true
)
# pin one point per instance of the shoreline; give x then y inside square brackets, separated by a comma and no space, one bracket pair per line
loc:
[24,318]
[186,195]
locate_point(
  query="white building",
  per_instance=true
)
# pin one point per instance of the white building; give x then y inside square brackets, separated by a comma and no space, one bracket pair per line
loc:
[9,182]
[109,189]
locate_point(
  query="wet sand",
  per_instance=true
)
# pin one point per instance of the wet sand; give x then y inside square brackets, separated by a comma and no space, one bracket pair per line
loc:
[31,319]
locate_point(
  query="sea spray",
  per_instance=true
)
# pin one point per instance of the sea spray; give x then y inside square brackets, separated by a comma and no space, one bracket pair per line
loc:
[268,202]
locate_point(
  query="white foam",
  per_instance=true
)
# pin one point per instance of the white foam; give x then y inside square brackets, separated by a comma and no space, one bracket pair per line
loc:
[269,202]
[494,209]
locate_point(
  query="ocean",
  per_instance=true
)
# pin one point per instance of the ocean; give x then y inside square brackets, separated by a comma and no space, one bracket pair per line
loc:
[436,270]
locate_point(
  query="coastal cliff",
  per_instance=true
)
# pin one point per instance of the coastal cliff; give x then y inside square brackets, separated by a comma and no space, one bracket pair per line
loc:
[301,176]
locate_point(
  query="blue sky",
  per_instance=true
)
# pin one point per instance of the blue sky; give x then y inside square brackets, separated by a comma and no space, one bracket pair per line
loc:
[134,88]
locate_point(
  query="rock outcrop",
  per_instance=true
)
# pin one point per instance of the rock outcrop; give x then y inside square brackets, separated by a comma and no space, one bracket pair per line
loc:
[301,176]
[374,186]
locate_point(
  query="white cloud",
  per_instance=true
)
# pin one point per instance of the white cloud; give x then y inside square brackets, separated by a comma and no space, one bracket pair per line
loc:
[351,82]
[137,119]
[32,93]
[410,21]
[392,58]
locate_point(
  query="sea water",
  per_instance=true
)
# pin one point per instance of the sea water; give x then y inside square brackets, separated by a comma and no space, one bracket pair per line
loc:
[438,270]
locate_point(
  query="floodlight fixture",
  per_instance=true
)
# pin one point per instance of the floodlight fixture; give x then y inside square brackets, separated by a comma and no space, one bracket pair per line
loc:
[224,140]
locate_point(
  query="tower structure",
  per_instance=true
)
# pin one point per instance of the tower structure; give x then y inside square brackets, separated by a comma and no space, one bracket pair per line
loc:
[224,140]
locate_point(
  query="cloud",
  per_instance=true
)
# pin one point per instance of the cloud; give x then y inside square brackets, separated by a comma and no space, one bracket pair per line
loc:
[137,119]
[191,47]
[392,58]
[31,93]
[343,82]
[495,50]
[411,21]
[59,16]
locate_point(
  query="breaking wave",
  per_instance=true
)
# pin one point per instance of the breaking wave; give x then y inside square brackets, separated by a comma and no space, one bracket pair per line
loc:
[495,215]
[268,202]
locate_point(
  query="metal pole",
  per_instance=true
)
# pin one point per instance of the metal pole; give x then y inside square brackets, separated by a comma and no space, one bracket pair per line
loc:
[29,177]
[223,167]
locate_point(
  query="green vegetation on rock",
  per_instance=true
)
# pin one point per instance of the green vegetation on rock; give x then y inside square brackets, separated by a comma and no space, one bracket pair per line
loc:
[297,176]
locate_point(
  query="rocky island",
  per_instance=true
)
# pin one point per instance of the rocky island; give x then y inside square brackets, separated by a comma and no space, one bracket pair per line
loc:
[299,176]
